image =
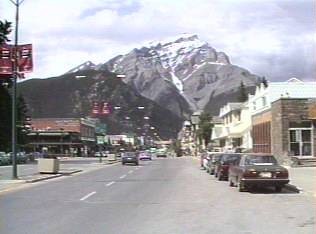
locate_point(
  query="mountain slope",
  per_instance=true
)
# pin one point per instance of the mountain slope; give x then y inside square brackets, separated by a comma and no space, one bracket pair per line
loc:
[183,75]
[72,95]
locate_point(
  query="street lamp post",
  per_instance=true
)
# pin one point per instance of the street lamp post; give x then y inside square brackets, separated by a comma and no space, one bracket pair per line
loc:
[17,4]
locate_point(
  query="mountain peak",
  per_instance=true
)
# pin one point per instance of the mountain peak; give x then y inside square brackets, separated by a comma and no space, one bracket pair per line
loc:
[88,65]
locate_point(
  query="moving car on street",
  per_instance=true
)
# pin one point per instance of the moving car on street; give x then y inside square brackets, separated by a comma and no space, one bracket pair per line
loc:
[255,170]
[143,155]
[224,163]
[130,157]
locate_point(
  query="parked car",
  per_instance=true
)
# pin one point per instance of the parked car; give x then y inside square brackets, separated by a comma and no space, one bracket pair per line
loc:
[143,155]
[130,157]
[203,156]
[214,158]
[21,157]
[222,165]
[4,159]
[255,170]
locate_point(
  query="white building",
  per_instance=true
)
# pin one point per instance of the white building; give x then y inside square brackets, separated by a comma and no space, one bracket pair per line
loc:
[235,132]
[292,88]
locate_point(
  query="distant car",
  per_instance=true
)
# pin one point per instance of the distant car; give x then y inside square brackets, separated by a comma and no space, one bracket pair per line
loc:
[206,159]
[4,159]
[210,166]
[203,156]
[258,170]
[130,157]
[222,166]
[143,155]
[98,154]
[21,157]
[161,153]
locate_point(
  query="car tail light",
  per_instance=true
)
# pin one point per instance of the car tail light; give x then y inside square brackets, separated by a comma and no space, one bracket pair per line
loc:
[281,174]
[250,173]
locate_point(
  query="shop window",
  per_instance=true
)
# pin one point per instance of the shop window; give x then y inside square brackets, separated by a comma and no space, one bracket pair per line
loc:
[300,142]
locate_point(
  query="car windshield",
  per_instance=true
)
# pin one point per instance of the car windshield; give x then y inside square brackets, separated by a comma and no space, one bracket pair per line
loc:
[229,158]
[260,160]
[129,154]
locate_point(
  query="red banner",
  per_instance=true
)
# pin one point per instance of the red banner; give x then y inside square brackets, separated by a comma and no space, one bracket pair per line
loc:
[5,60]
[101,108]
[24,56]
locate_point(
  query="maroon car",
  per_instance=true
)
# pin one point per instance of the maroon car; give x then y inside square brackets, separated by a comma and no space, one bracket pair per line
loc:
[222,165]
[255,170]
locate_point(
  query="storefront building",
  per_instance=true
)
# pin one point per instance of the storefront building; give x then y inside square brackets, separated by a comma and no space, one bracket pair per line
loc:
[62,136]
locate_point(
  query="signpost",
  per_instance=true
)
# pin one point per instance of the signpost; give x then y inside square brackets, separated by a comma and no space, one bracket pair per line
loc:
[14,61]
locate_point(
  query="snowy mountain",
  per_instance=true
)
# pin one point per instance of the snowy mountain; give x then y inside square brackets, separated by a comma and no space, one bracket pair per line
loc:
[184,72]
[82,67]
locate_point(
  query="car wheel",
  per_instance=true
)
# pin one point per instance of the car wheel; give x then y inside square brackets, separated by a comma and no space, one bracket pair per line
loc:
[278,188]
[241,186]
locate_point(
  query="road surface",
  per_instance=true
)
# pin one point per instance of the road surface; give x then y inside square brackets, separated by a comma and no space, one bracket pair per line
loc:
[161,196]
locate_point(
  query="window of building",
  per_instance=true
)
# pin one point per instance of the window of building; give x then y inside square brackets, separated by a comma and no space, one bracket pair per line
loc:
[238,115]
[300,140]
[264,101]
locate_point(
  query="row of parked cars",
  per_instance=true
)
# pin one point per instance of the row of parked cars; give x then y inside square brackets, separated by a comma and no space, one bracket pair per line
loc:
[6,158]
[246,171]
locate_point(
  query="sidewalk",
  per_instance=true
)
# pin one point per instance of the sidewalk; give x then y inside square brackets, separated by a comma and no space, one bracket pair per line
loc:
[304,179]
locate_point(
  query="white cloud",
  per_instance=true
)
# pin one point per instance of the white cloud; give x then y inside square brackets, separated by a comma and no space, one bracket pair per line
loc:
[266,37]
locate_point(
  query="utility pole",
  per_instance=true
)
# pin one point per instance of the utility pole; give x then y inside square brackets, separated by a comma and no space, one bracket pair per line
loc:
[17,4]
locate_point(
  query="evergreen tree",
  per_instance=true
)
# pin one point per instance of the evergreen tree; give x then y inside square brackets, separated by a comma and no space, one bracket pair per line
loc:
[5,119]
[243,96]
[22,121]
[5,29]
[264,82]
[205,128]
[5,99]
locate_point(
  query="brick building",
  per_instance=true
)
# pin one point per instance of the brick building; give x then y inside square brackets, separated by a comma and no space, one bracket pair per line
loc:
[63,136]
[293,128]
[287,129]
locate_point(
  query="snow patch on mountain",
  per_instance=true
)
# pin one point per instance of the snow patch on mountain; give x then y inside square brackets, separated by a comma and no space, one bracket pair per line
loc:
[84,66]
[177,82]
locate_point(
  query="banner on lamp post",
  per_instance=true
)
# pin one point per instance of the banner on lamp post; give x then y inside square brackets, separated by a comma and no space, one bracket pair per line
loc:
[24,60]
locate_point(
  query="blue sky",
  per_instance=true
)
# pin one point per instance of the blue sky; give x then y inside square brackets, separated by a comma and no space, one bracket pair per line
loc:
[272,38]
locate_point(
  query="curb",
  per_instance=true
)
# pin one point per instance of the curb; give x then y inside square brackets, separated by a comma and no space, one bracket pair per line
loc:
[43,178]
[52,176]
[70,172]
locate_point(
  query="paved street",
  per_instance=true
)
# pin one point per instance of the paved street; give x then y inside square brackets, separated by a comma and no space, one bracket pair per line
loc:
[162,196]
